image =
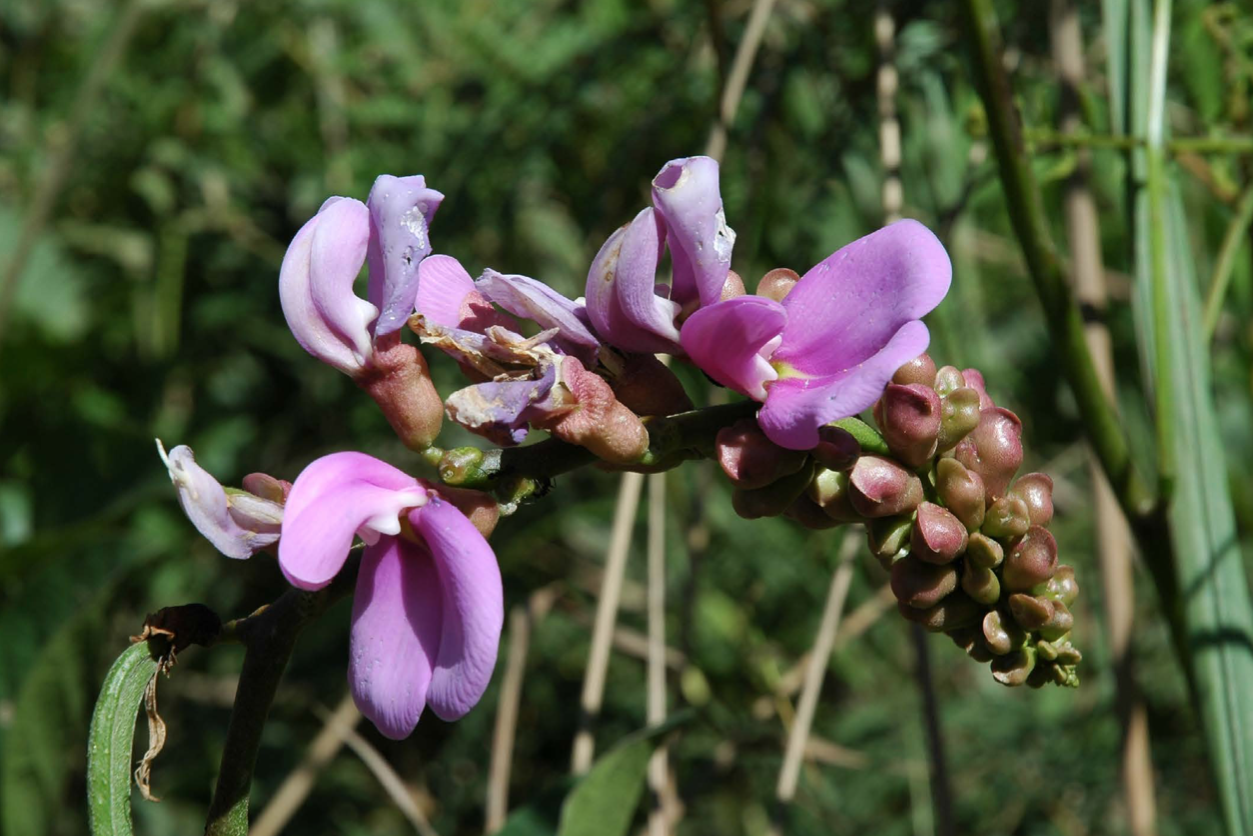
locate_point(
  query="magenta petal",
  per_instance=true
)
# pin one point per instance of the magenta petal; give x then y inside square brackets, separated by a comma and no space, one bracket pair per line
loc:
[401,209]
[316,285]
[443,285]
[333,499]
[686,195]
[397,616]
[796,406]
[473,610]
[622,298]
[732,342]
[848,306]
[527,298]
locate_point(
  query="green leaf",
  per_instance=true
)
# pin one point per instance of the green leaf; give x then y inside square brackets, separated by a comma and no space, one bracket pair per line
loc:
[109,742]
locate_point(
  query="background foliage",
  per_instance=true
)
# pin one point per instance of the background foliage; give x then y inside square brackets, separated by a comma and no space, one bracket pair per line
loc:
[149,308]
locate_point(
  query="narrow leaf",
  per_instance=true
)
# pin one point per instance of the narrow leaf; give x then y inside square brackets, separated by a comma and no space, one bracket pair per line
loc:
[109,742]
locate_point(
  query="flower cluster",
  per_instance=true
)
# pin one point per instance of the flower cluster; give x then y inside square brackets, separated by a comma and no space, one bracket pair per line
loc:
[968,548]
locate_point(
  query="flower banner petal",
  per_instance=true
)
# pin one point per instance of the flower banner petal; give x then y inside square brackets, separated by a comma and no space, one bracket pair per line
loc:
[401,209]
[732,342]
[686,195]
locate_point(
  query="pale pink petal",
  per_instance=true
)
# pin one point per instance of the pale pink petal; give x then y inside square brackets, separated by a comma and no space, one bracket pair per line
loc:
[473,607]
[527,298]
[797,406]
[622,298]
[732,342]
[443,285]
[334,498]
[206,504]
[397,617]
[847,307]
[686,195]
[401,209]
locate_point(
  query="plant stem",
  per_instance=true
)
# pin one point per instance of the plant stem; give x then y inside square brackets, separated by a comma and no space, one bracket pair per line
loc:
[1040,139]
[1223,264]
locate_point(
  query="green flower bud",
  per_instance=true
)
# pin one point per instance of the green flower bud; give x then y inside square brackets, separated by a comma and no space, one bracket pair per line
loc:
[1067,654]
[960,414]
[994,450]
[922,585]
[938,536]
[1001,634]
[1059,624]
[981,584]
[948,378]
[1007,517]
[983,551]
[909,418]
[1061,587]
[962,491]
[1031,561]
[774,499]
[889,539]
[1036,490]
[880,487]
[1030,612]
[953,612]
[829,490]
[1014,668]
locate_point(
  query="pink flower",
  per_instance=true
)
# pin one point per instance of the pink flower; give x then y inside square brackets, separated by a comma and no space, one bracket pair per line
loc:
[829,349]
[428,608]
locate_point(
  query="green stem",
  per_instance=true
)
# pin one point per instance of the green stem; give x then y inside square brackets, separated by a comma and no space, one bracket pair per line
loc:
[269,635]
[1042,139]
[1222,275]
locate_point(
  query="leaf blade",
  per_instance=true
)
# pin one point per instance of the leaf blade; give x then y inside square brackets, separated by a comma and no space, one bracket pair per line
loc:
[110,740]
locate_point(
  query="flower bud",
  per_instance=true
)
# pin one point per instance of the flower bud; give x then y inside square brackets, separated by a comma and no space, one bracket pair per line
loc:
[971,640]
[1031,561]
[1007,517]
[597,421]
[1037,491]
[962,491]
[267,487]
[889,539]
[837,448]
[750,459]
[981,584]
[1068,654]
[922,585]
[993,450]
[398,381]
[733,286]
[1059,624]
[974,380]
[879,487]
[1000,634]
[647,387]
[1014,668]
[938,536]
[775,498]
[960,414]
[921,370]
[954,612]
[910,418]
[809,515]
[478,507]
[776,283]
[1030,612]
[829,490]
[983,551]
[948,378]
[1061,587]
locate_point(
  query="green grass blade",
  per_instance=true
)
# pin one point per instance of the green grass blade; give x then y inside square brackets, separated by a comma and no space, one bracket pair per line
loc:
[109,742]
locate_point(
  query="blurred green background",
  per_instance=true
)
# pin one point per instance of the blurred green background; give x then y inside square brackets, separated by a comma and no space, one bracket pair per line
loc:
[148,308]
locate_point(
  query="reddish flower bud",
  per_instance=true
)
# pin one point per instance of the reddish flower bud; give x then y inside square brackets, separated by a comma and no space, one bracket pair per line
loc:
[910,418]
[267,487]
[775,498]
[478,507]
[1007,517]
[1032,560]
[984,551]
[829,490]
[981,584]
[837,449]
[750,459]
[1059,624]
[1001,635]
[922,585]
[1014,668]
[993,450]
[962,491]
[938,536]
[952,613]
[1030,612]
[809,515]
[920,370]
[647,387]
[733,286]
[1037,491]
[975,380]
[776,284]
[880,487]
[398,380]
[596,420]
[960,414]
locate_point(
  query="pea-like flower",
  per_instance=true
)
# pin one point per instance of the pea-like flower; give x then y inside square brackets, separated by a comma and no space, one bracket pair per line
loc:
[427,610]
[829,348]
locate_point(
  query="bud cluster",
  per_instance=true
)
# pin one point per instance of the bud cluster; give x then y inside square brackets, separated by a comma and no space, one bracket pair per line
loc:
[967,544]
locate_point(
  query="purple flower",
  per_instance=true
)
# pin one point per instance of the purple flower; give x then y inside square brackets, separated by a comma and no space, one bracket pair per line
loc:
[401,209]
[237,523]
[428,608]
[626,305]
[828,350]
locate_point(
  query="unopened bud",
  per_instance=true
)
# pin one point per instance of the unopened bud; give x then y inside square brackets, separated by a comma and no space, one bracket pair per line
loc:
[971,640]
[267,487]
[993,450]
[1031,561]
[1000,634]
[750,459]
[922,585]
[962,491]
[889,539]
[880,487]
[774,499]
[1068,654]
[777,283]
[809,515]
[974,380]
[1059,624]
[920,370]
[461,465]
[954,612]
[837,448]
[597,421]
[647,387]
[733,286]
[829,490]
[960,414]
[1037,492]
[910,418]
[478,507]
[984,551]
[1014,668]
[981,584]
[398,381]
[938,536]
[1007,517]
[948,378]
[1061,587]
[1029,611]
